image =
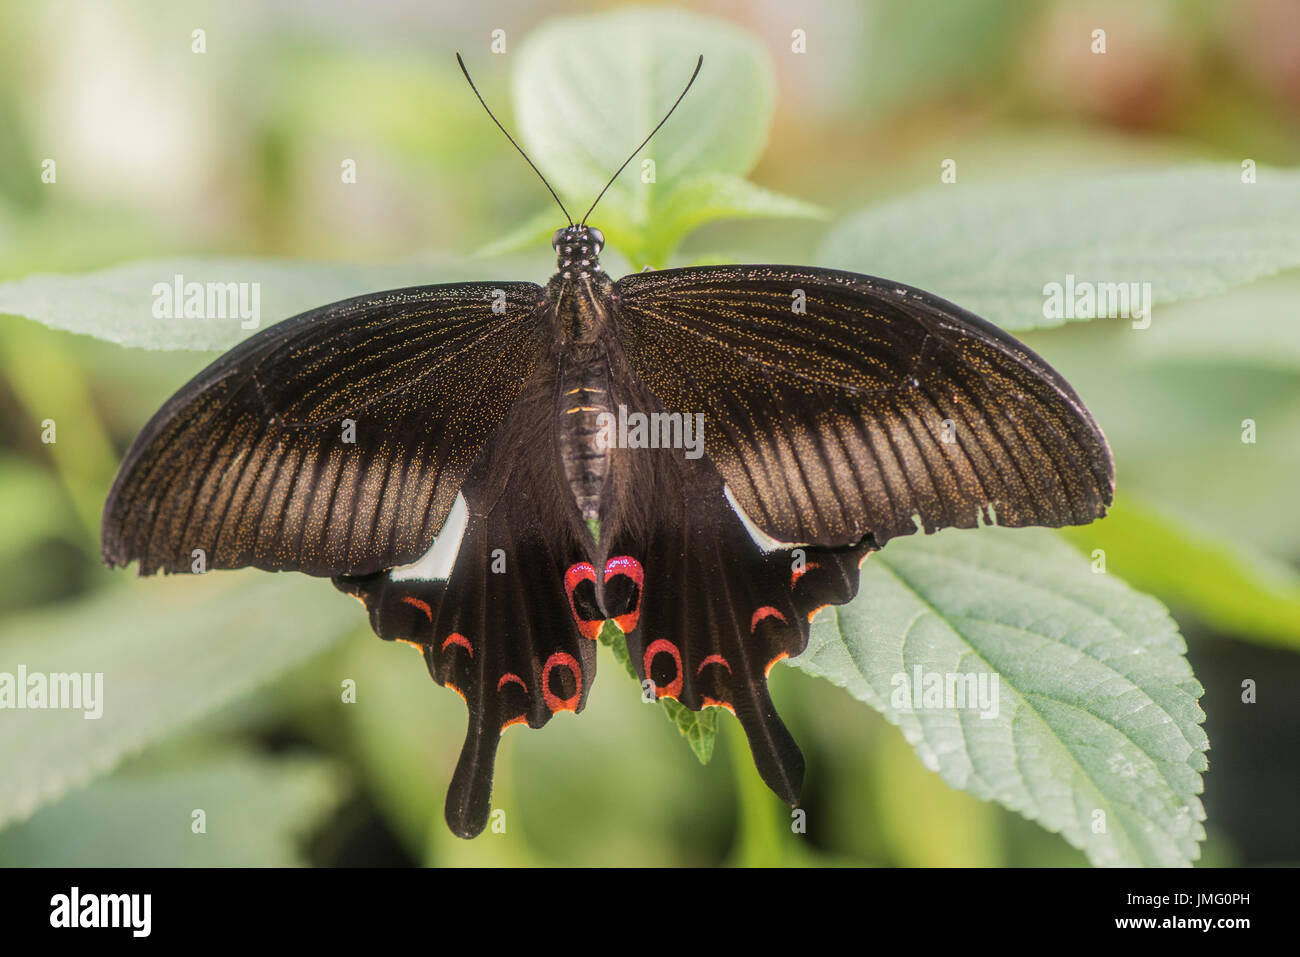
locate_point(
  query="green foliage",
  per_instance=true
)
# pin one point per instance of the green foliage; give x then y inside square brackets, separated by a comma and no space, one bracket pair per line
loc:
[189,648]
[1096,730]
[578,132]
[257,812]
[1227,584]
[1190,232]
[117,304]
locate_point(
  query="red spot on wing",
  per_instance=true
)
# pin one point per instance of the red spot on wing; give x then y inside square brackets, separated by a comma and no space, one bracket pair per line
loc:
[629,566]
[510,676]
[658,647]
[582,571]
[767,611]
[456,638]
[713,660]
[418,603]
[800,570]
[506,679]
[561,659]
[575,574]
[625,565]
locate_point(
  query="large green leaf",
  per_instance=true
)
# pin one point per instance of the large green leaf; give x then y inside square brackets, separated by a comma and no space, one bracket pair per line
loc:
[1227,584]
[117,304]
[1189,232]
[1097,732]
[256,813]
[169,650]
[589,89]
[1177,429]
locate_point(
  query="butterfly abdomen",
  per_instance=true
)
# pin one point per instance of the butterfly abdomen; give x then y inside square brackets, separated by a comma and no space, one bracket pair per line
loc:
[584,396]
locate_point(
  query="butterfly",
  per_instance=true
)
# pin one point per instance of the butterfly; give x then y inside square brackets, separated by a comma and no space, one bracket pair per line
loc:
[704,456]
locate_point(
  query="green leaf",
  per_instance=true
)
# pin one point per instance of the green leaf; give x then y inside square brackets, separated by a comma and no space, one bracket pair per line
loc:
[1225,583]
[533,233]
[699,728]
[1252,327]
[257,812]
[710,196]
[1189,232]
[170,650]
[1096,733]
[117,304]
[578,132]
[1167,421]
[924,822]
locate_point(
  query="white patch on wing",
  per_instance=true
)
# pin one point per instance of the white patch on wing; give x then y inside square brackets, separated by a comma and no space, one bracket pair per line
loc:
[436,564]
[764,541]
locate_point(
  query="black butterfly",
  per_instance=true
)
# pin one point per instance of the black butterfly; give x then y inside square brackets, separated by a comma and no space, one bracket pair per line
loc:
[498,500]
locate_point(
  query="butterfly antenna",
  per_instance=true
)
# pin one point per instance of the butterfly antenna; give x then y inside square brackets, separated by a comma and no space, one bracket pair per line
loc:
[512,139]
[698,63]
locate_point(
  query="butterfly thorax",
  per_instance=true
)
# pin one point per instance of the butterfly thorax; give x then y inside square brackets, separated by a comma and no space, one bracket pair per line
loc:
[580,297]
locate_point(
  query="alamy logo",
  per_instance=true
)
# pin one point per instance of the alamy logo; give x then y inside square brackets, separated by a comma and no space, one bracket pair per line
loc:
[1081,299]
[179,299]
[654,430]
[940,691]
[75,909]
[73,691]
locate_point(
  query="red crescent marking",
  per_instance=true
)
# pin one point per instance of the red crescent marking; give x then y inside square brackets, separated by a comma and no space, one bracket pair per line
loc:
[625,565]
[813,614]
[456,638]
[510,676]
[582,571]
[414,644]
[522,719]
[713,703]
[457,690]
[629,566]
[674,687]
[554,701]
[772,664]
[417,603]
[767,611]
[798,573]
[713,660]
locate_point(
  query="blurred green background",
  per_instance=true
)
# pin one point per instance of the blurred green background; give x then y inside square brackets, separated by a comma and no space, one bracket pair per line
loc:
[164,153]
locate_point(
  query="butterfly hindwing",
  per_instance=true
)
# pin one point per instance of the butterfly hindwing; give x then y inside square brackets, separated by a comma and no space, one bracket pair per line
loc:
[331,443]
[499,628]
[708,608]
[841,406]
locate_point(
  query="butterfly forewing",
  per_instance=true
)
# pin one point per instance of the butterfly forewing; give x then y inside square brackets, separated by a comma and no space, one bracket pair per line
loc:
[842,408]
[332,443]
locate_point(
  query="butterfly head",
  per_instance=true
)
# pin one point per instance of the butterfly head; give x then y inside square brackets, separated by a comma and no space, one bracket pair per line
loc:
[577,250]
